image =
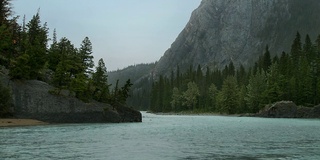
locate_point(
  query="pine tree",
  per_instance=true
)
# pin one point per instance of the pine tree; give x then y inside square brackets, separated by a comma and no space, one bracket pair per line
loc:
[176,99]
[266,59]
[308,49]
[36,46]
[20,69]
[255,89]
[231,69]
[8,33]
[66,68]
[86,55]
[79,85]
[190,96]
[242,76]
[54,53]
[213,93]
[296,49]
[5,11]
[228,98]
[275,82]
[100,82]
[178,80]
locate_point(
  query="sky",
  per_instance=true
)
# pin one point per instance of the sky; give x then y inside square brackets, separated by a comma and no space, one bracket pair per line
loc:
[122,32]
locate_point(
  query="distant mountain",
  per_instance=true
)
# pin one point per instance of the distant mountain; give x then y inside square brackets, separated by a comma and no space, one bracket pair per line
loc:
[221,31]
[135,73]
[141,77]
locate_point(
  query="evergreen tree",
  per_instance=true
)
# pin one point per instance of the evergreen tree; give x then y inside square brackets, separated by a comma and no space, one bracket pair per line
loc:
[178,80]
[176,99]
[123,94]
[255,88]
[33,42]
[228,98]
[304,92]
[308,49]
[5,11]
[8,34]
[242,78]
[79,85]
[231,69]
[296,49]
[66,68]
[213,93]
[275,82]
[36,49]
[86,55]
[54,53]
[242,100]
[100,82]
[266,59]
[190,96]
[21,69]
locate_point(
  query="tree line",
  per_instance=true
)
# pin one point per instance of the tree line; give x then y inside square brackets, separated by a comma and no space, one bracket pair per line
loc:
[293,76]
[25,51]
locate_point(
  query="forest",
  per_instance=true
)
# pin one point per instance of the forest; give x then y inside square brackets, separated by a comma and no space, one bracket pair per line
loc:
[25,51]
[293,76]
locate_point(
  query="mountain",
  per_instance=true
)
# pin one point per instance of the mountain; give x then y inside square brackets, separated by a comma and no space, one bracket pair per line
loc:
[221,31]
[224,31]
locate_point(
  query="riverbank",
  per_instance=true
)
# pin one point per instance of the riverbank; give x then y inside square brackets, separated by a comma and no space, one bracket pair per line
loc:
[190,113]
[20,122]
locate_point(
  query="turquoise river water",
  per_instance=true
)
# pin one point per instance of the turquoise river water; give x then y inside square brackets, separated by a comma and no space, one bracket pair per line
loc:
[167,138]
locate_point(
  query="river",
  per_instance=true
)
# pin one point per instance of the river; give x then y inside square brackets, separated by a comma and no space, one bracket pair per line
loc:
[167,138]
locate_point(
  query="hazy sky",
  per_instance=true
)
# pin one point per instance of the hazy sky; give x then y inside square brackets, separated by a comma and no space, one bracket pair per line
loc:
[123,32]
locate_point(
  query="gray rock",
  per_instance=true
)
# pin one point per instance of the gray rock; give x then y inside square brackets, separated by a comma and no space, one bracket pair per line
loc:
[315,112]
[31,99]
[288,109]
[283,109]
[221,31]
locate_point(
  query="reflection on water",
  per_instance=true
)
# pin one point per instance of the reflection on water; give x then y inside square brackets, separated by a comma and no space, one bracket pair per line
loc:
[167,137]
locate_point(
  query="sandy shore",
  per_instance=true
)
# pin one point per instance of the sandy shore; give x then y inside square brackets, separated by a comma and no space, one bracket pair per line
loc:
[20,122]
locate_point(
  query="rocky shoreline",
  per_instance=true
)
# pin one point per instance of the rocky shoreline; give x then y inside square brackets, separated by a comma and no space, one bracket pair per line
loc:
[288,109]
[32,99]
[282,109]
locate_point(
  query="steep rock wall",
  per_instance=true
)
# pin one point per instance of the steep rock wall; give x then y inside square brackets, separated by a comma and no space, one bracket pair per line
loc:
[220,31]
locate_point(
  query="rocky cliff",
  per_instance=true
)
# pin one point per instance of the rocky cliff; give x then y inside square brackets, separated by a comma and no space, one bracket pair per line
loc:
[220,31]
[31,99]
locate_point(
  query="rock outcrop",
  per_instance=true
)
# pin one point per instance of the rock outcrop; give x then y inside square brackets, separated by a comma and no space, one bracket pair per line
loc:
[288,109]
[221,31]
[31,99]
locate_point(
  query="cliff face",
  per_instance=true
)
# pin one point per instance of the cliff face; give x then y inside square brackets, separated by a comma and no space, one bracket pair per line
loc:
[31,99]
[220,31]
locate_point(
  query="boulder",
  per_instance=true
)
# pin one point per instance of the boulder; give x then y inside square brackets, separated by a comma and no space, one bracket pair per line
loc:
[288,109]
[315,112]
[282,109]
